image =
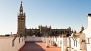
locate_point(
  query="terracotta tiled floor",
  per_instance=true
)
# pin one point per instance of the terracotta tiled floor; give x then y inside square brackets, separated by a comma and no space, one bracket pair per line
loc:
[38,46]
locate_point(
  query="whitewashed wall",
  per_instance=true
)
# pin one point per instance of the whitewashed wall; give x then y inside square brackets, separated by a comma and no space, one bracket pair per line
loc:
[69,42]
[88,45]
[75,44]
[59,42]
[34,38]
[6,44]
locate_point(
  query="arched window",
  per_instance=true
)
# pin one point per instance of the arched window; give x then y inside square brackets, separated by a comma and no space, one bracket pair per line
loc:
[18,18]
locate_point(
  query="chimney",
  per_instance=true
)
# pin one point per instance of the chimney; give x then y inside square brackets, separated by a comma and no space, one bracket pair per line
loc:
[89,21]
[87,31]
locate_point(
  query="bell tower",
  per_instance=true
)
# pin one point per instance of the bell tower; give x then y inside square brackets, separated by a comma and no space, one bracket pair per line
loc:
[21,21]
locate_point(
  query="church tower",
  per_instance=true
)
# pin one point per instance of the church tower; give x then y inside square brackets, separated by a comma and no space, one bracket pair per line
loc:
[21,21]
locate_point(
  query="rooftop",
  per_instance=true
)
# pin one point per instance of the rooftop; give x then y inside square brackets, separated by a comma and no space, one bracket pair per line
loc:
[38,46]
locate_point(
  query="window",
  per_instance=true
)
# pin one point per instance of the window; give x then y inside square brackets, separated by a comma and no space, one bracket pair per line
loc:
[18,18]
[21,25]
[22,18]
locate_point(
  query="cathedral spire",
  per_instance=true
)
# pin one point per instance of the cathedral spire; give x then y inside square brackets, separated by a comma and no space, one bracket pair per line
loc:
[21,7]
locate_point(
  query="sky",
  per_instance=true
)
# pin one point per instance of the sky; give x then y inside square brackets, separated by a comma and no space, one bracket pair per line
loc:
[57,13]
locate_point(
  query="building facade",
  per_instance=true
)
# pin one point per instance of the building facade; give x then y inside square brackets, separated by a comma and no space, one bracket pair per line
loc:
[44,30]
[21,21]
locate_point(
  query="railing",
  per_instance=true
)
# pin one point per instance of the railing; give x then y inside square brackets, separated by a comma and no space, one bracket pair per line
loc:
[19,39]
[13,41]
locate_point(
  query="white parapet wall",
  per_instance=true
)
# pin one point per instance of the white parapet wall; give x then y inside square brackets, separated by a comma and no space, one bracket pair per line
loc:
[88,43]
[6,43]
[29,38]
[59,41]
[72,43]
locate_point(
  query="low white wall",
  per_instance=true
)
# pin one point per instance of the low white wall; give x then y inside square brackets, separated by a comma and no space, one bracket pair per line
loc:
[34,38]
[64,42]
[88,45]
[6,43]
[69,42]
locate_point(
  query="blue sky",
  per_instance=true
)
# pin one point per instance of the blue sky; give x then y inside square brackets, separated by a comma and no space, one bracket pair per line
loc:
[57,13]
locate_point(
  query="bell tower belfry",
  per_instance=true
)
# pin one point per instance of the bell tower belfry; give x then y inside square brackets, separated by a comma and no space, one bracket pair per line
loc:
[21,21]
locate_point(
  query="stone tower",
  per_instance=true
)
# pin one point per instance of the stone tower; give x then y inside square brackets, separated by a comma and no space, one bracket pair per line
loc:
[21,21]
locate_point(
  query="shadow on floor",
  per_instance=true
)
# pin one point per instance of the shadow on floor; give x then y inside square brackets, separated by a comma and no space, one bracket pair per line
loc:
[31,46]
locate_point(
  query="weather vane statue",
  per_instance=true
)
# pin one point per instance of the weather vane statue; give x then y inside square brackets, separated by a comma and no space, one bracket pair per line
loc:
[21,2]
